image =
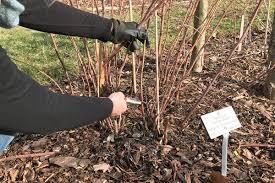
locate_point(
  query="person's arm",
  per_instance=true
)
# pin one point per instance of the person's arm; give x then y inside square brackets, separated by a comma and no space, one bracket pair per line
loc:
[27,107]
[63,19]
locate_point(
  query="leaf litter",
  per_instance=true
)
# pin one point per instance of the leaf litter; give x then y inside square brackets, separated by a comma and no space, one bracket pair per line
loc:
[94,154]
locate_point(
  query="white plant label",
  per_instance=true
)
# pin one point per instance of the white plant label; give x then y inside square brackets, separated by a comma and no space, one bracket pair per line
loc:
[220,122]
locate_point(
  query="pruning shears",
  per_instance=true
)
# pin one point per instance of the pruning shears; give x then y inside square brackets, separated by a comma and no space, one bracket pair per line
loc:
[133,100]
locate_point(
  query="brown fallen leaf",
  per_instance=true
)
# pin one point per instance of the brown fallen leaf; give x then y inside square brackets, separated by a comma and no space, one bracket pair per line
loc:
[137,157]
[167,173]
[183,158]
[207,163]
[264,112]
[69,162]
[196,179]
[100,181]
[166,149]
[39,143]
[217,177]
[188,177]
[83,163]
[42,165]
[237,173]
[104,167]
[29,173]
[247,154]
[13,174]
[260,108]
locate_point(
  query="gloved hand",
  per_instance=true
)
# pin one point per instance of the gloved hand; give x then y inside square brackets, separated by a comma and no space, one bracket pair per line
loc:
[128,33]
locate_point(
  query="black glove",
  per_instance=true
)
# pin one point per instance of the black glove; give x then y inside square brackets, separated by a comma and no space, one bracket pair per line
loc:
[128,33]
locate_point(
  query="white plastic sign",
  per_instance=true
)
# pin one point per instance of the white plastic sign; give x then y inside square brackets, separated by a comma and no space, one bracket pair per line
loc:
[220,122]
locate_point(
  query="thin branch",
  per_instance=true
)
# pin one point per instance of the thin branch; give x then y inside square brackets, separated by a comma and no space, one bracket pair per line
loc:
[134,78]
[33,155]
[157,73]
[258,145]
[62,62]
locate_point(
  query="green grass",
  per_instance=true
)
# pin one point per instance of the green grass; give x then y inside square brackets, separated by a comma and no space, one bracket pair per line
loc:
[234,16]
[34,48]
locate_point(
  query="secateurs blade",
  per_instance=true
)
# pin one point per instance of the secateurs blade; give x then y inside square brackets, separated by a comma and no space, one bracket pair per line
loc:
[133,100]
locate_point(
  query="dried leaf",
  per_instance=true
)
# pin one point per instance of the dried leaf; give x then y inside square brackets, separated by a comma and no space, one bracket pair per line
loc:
[207,163]
[183,158]
[176,165]
[13,174]
[42,165]
[65,162]
[69,162]
[188,177]
[247,154]
[237,173]
[238,97]
[103,167]
[83,163]
[39,143]
[196,179]
[214,58]
[137,157]
[258,107]
[100,181]
[264,111]
[167,173]
[111,138]
[137,135]
[29,173]
[166,149]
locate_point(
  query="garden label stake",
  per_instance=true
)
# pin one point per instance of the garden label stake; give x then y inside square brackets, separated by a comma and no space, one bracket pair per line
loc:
[218,123]
[224,153]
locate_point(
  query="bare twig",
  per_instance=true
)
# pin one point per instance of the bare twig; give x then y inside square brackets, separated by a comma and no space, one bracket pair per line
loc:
[163,13]
[141,85]
[157,73]
[258,145]
[34,155]
[91,68]
[81,64]
[241,32]
[134,79]
[62,62]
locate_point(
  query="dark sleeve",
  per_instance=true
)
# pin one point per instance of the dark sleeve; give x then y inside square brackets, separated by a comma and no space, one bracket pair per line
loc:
[27,107]
[60,18]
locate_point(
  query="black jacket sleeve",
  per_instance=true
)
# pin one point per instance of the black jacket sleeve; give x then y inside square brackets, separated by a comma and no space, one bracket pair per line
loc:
[27,107]
[62,19]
